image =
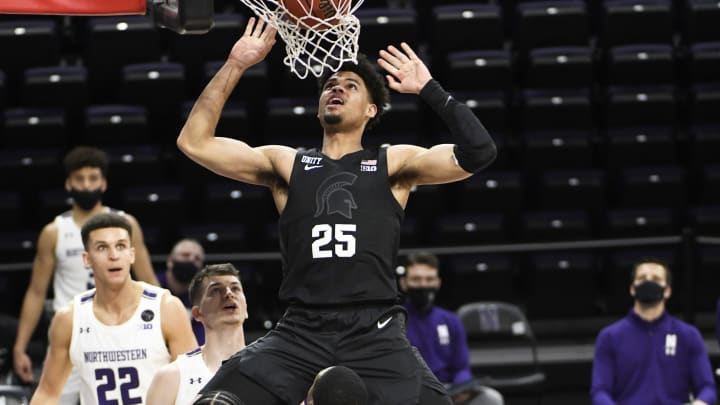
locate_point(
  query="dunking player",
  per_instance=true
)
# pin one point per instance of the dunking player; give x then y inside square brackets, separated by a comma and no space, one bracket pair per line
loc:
[340,213]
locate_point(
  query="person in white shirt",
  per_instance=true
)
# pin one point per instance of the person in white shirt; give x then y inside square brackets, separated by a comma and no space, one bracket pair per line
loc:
[58,258]
[218,302]
[118,334]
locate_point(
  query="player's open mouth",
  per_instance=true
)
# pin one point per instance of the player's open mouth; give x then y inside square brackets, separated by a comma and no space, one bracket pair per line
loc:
[230,307]
[115,269]
[336,101]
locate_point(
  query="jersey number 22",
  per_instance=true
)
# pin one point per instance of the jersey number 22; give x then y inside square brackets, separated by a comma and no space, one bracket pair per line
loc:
[107,375]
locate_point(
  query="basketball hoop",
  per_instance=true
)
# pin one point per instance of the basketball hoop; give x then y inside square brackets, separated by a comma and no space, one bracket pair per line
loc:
[312,44]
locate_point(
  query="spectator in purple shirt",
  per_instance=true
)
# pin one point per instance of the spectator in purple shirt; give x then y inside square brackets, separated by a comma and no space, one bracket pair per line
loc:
[437,333]
[650,357]
[186,258]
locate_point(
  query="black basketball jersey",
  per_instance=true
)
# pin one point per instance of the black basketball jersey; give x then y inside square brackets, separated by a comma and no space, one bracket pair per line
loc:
[340,230]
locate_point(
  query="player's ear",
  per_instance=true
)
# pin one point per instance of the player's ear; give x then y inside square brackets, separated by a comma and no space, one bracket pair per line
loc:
[195,312]
[371,111]
[403,283]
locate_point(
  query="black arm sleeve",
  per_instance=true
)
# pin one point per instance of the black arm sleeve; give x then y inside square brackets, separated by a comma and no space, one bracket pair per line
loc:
[474,148]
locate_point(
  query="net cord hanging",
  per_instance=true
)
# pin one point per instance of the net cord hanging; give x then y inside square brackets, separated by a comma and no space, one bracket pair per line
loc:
[313,44]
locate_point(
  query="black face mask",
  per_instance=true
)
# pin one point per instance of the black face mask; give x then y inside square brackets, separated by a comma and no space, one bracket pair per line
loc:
[649,292]
[86,200]
[422,298]
[184,271]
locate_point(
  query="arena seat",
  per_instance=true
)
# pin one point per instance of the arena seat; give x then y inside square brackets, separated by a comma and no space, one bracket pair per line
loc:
[641,64]
[472,276]
[469,229]
[220,237]
[115,124]
[29,43]
[639,222]
[573,189]
[384,26]
[555,225]
[471,25]
[32,127]
[704,62]
[564,67]
[664,186]
[635,21]
[640,146]
[55,86]
[556,149]
[485,70]
[700,21]
[550,23]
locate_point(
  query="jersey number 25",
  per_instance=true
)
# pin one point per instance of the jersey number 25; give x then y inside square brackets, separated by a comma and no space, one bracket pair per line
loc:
[338,239]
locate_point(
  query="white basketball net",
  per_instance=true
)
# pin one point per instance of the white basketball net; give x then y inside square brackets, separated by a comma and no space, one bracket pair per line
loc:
[313,44]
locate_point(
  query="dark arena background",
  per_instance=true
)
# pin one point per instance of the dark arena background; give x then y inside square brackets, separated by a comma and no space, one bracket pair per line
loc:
[606,115]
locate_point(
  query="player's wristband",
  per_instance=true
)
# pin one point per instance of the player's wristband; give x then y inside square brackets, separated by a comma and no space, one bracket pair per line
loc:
[474,148]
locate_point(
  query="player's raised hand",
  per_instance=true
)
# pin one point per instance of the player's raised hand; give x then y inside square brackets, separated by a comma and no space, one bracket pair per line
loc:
[408,74]
[254,45]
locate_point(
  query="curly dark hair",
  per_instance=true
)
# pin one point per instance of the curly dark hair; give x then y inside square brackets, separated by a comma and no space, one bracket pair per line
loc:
[339,385]
[102,221]
[374,82]
[86,156]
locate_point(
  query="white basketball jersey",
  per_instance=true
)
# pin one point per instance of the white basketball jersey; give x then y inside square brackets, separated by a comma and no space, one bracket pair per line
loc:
[71,277]
[117,363]
[194,374]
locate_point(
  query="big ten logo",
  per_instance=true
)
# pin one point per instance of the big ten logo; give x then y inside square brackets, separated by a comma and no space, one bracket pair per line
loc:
[145,326]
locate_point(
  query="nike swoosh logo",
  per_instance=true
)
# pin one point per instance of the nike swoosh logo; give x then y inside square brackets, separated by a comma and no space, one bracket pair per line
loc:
[382,324]
[310,167]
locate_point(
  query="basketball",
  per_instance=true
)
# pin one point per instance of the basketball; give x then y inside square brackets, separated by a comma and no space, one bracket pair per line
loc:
[316,14]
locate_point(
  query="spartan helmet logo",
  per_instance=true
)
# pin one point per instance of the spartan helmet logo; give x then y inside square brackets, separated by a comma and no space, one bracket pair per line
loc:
[331,197]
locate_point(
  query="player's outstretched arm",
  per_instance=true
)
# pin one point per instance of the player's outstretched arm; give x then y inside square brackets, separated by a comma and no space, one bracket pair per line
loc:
[164,386]
[34,301]
[57,361]
[473,148]
[226,156]
[176,327]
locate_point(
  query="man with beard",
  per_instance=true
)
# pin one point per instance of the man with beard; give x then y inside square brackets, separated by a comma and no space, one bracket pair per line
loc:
[650,357]
[59,255]
[341,209]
